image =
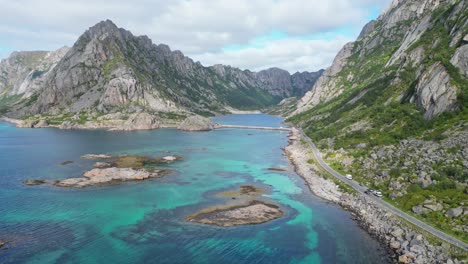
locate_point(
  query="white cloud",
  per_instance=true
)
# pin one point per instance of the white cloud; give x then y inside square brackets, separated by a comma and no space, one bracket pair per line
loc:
[199,28]
[291,54]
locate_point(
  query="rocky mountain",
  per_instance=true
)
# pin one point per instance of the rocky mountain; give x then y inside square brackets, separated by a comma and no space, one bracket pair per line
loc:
[281,83]
[397,44]
[23,73]
[109,70]
[392,109]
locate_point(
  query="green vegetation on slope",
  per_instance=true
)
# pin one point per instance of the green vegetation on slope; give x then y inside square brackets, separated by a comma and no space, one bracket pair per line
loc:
[375,109]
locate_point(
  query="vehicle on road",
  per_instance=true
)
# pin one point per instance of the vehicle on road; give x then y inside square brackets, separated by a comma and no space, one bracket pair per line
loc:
[378,193]
[349,176]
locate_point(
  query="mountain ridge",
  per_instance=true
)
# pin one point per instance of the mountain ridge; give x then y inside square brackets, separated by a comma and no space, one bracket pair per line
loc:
[392,111]
[108,69]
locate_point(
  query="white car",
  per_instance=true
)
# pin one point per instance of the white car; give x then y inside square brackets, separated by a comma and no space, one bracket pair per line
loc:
[378,193]
[349,176]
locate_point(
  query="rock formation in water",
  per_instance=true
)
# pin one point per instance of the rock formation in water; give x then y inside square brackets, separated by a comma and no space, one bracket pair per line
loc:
[253,212]
[115,170]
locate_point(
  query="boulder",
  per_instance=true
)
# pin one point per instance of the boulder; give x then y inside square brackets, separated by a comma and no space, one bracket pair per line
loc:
[434,207]
[196,123]
[101,165]
[141,121]
[41,124]
[395,245]
[454,212]
[27,124]
[96,156]
[419,209]
[67,125]
[170,158]
[403,259]
[397,232]
[361,145]
[35,182]
[417,249]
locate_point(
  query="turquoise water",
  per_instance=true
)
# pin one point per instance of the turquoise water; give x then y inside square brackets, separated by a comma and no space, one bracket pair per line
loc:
[143,222]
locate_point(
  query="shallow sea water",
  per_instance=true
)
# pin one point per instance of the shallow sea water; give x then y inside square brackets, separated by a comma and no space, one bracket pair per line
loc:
[144,222]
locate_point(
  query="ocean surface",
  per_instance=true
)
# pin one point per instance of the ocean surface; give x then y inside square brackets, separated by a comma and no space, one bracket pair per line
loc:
[144,222]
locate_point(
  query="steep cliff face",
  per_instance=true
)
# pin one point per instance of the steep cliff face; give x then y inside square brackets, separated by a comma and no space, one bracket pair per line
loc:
[24,72]
[415,43]
[110,70]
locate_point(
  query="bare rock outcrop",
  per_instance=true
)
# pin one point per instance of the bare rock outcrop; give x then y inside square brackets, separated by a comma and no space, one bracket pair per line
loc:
[253,212]
[434,92]
[326,87]
[401,47]
[141,121]
[23,73]
[100,176]
[196,123]
[460,59]
[406,244]
[116,169]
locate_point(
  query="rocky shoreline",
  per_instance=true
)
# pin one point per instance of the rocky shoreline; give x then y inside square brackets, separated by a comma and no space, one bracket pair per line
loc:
[115,122]
[406,244]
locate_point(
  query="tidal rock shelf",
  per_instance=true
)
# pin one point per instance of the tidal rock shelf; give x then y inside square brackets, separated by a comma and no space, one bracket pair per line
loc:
[110,176]
[245,191]
[253,212]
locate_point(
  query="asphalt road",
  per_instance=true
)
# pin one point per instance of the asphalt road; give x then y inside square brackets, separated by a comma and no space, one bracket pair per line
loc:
[382,203]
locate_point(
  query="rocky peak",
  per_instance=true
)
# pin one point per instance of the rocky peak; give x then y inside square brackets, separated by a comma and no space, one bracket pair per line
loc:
[109,70]
[278,80]
[103,28]
[397,34]
[22,73]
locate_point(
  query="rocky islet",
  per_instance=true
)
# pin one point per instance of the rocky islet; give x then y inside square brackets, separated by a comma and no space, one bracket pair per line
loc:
[252,212]
[116,169]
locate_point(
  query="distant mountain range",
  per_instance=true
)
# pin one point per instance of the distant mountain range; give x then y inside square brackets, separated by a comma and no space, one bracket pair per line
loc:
[110,70]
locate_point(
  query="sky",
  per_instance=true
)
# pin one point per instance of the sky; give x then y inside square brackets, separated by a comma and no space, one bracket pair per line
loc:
[296,35]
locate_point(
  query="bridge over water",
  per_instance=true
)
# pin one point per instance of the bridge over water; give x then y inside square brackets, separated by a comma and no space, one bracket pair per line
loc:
[220,126]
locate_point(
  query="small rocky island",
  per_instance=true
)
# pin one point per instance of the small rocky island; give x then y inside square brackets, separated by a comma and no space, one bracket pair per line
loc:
[196,123]
[247,210]
[115,170]
[253,212]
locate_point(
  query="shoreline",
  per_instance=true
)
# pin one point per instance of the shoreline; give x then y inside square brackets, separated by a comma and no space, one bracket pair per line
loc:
[91,126]
[403,242]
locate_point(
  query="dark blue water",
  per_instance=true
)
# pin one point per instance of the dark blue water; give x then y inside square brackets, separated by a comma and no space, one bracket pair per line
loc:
[143,222]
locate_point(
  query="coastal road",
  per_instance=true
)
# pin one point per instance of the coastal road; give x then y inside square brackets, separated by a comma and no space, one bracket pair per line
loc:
[443,236]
